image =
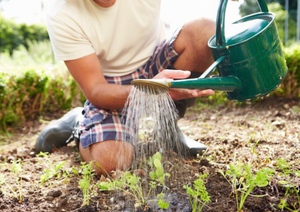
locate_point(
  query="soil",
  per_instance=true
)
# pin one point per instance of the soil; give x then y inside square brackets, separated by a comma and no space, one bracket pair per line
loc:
[258,133]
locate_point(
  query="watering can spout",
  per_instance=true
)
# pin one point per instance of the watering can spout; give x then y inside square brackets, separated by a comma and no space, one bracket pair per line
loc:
[225,83]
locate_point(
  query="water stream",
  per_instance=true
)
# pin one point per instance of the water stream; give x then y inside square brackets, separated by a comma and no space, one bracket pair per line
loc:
[150,117]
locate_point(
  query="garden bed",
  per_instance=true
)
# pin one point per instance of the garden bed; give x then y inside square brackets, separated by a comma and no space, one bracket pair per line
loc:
[261,134]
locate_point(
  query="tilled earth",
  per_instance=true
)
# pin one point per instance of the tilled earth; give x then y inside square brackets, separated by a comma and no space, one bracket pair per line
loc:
[257,133]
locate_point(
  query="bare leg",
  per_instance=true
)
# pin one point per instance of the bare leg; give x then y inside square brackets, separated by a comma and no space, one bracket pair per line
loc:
[108,156]
[191,44]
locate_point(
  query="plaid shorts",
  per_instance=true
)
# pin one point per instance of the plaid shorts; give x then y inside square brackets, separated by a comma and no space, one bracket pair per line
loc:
[101,124]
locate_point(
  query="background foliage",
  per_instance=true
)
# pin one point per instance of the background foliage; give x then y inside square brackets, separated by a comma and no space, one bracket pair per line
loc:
[13,35]
[32,83]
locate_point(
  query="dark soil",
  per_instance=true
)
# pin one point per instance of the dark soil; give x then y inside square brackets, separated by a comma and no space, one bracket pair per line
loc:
[257,133]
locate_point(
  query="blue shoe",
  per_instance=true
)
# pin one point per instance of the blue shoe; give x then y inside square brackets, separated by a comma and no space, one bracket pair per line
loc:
[60,132]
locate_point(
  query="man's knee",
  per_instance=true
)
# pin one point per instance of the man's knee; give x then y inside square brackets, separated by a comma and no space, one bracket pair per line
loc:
[194,33]
[108,156]
[191,45]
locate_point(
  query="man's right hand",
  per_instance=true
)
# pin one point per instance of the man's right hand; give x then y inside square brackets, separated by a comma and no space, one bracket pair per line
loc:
[182,93]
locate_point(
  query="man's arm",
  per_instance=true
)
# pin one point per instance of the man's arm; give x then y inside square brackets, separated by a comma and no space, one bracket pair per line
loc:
[87,72]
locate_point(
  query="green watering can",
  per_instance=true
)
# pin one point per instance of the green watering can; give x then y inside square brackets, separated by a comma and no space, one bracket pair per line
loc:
[248,58]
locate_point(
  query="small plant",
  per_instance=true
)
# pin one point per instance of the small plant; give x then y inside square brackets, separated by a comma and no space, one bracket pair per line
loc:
[127,182]
[157,174]
[85,182]
[16,169]
[283,166]
[291,192]
[133,185]
[55,171]
[198,194]
[291,199]
[244,180]
[158,177]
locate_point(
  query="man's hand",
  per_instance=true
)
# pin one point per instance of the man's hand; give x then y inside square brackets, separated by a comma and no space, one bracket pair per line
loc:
[181,93]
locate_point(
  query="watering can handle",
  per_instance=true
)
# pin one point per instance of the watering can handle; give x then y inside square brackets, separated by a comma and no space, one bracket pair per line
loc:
[220,23]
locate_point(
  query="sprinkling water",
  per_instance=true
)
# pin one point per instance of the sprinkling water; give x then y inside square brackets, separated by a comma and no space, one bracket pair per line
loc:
[150,117]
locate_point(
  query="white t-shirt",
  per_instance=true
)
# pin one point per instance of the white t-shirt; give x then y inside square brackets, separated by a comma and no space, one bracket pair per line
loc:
[122,36]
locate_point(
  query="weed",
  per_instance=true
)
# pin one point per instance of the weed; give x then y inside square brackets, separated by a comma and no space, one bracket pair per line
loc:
[198,195]
[243,180]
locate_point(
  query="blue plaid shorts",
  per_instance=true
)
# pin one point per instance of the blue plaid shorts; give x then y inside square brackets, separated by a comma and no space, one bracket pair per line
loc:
[101,124]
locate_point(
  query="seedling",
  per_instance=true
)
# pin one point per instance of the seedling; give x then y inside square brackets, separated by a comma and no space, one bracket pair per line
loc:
[291,192]
[56,170]
[291,199]
[158,177]
[133,185]
[16,169]
[157,174]
[243,180]
[52,172]
[85,182]
[198,194]
[128,183]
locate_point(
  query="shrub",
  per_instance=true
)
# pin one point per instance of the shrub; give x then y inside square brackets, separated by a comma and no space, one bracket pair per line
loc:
[32,93]
[13,35]
[291,84]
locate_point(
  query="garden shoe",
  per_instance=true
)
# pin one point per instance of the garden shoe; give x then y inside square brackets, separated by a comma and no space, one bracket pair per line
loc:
[188,146]
[60,132]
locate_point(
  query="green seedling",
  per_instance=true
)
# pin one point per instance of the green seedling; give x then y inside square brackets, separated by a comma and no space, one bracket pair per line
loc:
[133,185]
[283,166]
[158,177]
[243,181]
[157,174]
[292,192]
[291,199]
[16,169]
[55,171]
[85,182]
[128,183]
[198,194]
[162,204]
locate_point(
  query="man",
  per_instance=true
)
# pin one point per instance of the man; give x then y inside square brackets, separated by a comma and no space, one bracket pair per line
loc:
[105,44]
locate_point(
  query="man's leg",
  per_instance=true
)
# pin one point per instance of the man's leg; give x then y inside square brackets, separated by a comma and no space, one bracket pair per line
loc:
[195,56]
[108,155]
[191,45]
